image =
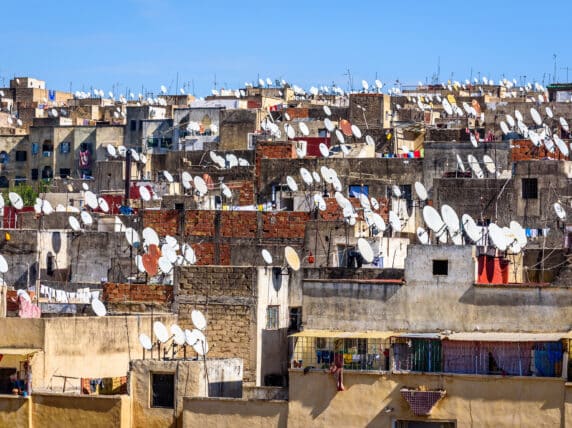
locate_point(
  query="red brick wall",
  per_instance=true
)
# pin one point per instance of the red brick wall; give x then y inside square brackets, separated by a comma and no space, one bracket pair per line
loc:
[205,252]
[244,191]
[268,150]
[118,293]
[238,224]
[199,223]
[525,150]
[165,222]
[284,224]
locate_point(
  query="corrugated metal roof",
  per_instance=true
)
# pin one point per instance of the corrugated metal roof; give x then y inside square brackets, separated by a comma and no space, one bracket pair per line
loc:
[18,351]
[507,336]
[345,334]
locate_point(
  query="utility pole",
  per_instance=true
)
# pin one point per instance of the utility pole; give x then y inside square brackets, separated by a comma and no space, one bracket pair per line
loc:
[554,75]
[567,70]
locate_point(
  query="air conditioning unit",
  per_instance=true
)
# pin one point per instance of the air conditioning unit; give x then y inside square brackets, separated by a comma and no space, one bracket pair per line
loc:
[301,148]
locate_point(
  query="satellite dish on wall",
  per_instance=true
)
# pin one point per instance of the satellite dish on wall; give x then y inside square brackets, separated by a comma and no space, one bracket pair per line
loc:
[394,221]
[3,264]
[160,331]
[199,320]
[559,210]
[470,227]
[98,307]
[267,256]
[421,191]
[16,200]
[178,334]
[329,125]
[422,235]
[292,185]
[306,176]
[145,342]
[74,223]
[144,193]
[365,250]
[497,237]
[292,258]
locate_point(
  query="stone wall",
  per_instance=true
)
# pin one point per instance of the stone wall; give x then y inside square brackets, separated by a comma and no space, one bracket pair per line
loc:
[227,296]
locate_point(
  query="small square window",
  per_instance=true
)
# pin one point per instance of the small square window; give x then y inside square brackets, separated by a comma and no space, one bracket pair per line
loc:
[21,155]
[440,267]
[35,148]
[34,174]
[272,317]
[163,390]
[530,188]
[65,147]
[65,172]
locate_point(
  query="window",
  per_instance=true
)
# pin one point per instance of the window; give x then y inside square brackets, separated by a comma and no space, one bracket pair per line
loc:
[272,317]
[47,146]
[440,267]
[34,174]
[4,181]
[295,318]
[35,148]
[418,355]
[3,157]
[47,172]
[133,125]
[163,390]
[356,189]
[65,172]
[65,147]
[323,133]
[21,156]
[530,188]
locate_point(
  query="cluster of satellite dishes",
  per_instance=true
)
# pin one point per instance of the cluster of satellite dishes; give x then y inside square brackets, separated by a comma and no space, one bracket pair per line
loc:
[158,256]
[541,132]
[291,258]
[446,226]
[121,153]
[230,160]
[177,337]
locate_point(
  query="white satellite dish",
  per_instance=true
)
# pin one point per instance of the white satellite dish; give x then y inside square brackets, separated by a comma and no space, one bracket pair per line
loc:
[364,201]
[145,342]
[267,256]
[470,227]
[549,112]
[497,237]
[474,141]
[292,185]
[139,263]
[111,151]
[564,124]
[451,220]
[504,128]
[47,208]
[189,254]
[150,237]
[306,176]
[369,140]
[98,307]
[518,116]
[144,193]
[535,116]
[16,200]
[559,210]
[519,233]
[489,164]
[340,137]
[178,334]
[316,176]
[394,221]
[364,85]
[160,331]
[378,222]
[356,131]
[475,167]
[324,151]
[199,320]
[3,264]
[396,191]
[168,176]
[510,120]
[103,205]
[365,250]
[165,264]
[433,219]
[304,129]
[91,199]
[292,258]
[86,218]
[327,111]
[422,235]
[561,145]
[132,237]
[421,191]
[201,346]
[74,223]
[286,116]
[227,193]
[320,202]
[374,203]
[329,125]
[290,131]
[460,164]
[200,185]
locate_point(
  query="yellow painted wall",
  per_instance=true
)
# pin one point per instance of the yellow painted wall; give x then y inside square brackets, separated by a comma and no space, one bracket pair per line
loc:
[62,411]
[471,401]
[14,411]
[234,413]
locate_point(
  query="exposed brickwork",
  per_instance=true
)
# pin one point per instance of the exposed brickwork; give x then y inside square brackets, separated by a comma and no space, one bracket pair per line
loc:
[119,293]
[165,222]
[244,192]
[199,223]
[206,254]
[524,150]
[239,224]
[284,224]
[227,297]
[270,150]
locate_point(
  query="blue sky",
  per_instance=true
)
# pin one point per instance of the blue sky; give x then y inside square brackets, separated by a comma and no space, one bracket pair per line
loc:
[134,44]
